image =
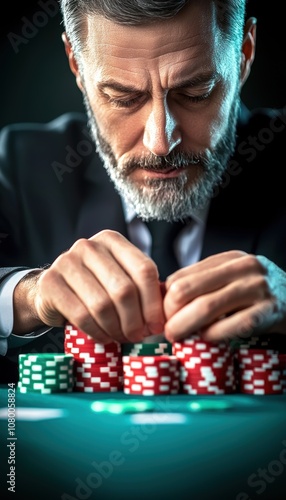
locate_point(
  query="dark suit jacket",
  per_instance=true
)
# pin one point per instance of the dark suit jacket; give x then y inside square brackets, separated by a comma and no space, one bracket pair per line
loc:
[54,190]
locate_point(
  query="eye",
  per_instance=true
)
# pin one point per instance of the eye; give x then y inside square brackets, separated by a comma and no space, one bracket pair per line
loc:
[195,98]
[126,103]
[120,103]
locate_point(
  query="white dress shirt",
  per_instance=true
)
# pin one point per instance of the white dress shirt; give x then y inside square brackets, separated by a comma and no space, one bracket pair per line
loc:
[188,249]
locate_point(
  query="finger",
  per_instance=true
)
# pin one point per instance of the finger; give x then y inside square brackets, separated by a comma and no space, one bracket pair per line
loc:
[205,264]
[206,309]
[64,305]
[142,272]
[93,295]
[186,289]
[256,319]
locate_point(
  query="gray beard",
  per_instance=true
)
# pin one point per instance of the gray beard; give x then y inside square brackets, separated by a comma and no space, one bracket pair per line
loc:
[168,199]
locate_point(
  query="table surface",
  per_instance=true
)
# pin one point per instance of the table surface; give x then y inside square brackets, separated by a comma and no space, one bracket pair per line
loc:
[65,450]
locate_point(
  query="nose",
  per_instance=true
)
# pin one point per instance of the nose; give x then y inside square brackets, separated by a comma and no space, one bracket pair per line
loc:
[161,133]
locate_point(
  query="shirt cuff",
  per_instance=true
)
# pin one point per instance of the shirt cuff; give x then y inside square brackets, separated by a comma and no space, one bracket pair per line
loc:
[6,317]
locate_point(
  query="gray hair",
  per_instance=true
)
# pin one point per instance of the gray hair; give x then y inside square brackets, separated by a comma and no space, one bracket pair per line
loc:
[230,15]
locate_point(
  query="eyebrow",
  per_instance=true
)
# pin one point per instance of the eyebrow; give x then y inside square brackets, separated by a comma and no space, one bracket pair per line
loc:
[203,78]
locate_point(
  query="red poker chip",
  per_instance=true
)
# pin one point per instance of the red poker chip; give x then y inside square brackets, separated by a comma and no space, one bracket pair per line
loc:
[262,352]
[98,368]
[104,384]
[97,379]
[147,391]
[150,392]
[92,348]
[197,342]
[161,380]
[211,390]
[219,380]
[261,390]
[150,360]
[93,372]
[149,370]
[92,389]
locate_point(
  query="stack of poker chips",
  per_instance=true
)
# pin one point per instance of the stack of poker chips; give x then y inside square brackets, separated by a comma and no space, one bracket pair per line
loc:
[205,367]
[97,367]
[261,366]
[261,371]
[151,375]
[45,373]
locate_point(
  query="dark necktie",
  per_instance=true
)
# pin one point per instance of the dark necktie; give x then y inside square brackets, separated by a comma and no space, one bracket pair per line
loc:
[162,250]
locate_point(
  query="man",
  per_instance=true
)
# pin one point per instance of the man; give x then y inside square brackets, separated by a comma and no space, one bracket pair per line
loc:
[161,84]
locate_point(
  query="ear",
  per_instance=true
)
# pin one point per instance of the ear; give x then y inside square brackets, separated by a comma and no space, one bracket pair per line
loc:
[72,60]
[248,49]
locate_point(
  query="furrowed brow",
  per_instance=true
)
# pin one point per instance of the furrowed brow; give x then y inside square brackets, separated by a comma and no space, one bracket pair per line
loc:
[202,79]
[113,85]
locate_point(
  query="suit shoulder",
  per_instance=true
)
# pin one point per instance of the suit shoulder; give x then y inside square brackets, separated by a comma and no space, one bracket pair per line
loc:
[64,124]
[255,120]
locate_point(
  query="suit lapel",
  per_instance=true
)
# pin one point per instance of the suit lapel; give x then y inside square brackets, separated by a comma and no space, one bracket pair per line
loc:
[101,207]
[230,224]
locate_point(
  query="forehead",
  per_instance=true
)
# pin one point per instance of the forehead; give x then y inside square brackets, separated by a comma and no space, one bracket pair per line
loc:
[188,42]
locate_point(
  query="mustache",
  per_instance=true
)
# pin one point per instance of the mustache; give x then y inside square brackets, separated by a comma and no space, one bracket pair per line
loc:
[158,163]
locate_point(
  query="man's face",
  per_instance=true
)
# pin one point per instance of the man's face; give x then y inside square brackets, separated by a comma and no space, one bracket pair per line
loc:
[162,102]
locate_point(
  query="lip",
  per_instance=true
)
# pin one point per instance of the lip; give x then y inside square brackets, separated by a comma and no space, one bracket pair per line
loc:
[165,174]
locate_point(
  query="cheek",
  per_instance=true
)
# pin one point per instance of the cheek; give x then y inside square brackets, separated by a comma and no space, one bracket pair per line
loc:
[202,129]
[124,133]
[207,128]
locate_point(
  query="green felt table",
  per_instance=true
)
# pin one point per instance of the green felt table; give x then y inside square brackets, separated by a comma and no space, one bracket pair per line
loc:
[181,448]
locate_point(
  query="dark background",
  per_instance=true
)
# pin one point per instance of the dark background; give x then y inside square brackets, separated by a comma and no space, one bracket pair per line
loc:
[36,83]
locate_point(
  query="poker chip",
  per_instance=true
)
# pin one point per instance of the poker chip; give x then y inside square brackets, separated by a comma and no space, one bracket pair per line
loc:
[146,349]
[46,373]
[205,367]
[150,375]
[193,366]
[97,367]
[260,371]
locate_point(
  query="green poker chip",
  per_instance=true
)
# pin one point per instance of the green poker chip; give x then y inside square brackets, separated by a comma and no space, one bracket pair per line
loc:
[141,349]
[46,373]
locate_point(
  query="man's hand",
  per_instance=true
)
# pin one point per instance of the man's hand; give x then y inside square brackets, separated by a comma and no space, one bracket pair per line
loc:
[226,295]
[104,285]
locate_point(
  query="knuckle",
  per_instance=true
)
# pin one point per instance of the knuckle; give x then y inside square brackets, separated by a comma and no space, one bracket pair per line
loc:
[206,307]
[179,290]
[237,253]
[122,292]
[102,307]
[47,278]
[147,270]
[252,263]
[107,235]
[261,283]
